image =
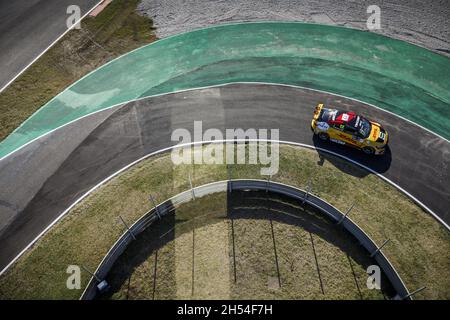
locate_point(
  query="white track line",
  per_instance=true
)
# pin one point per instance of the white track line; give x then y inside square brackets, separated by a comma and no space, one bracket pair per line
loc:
[219,141]
[216,86]
[51,45]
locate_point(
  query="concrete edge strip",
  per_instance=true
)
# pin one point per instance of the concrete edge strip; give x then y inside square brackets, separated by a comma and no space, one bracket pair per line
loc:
[163,208]
[51,45]
[216,86]
[218,141]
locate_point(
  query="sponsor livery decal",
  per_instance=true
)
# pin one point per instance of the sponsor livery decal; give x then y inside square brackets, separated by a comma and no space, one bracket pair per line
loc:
[322,126]
[346,117]
[344,137]
[337,141]
[375,133]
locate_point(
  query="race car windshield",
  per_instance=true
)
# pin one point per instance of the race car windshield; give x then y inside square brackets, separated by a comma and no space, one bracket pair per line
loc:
[363,127]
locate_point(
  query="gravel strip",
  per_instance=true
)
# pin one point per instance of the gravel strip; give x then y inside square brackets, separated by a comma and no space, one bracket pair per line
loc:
[422,23]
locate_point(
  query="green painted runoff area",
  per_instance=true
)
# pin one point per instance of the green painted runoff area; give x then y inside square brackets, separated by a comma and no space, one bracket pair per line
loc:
[397,76]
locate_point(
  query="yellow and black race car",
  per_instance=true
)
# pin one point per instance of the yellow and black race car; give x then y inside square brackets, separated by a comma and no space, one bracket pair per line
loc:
[348,128]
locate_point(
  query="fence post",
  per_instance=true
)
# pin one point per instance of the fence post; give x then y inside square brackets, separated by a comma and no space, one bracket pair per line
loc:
[381,247]
[128,229]
[91,273]
[229,179]
[346,214]
[192,189]
[307,191]
[267,183]
[412,293]
[155,207]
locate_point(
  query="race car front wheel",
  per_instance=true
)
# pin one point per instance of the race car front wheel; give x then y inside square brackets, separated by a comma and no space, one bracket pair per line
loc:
[368,150]
[324,136]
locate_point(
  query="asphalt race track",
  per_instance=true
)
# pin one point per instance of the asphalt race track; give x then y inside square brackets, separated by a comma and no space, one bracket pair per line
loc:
[29,27]
[402,78]
[61,166]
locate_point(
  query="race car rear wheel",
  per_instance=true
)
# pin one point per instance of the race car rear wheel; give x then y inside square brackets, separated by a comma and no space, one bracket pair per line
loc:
[368,150]
[324,136]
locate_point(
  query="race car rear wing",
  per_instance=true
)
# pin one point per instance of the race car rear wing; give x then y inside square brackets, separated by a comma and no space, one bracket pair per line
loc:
[318,113]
